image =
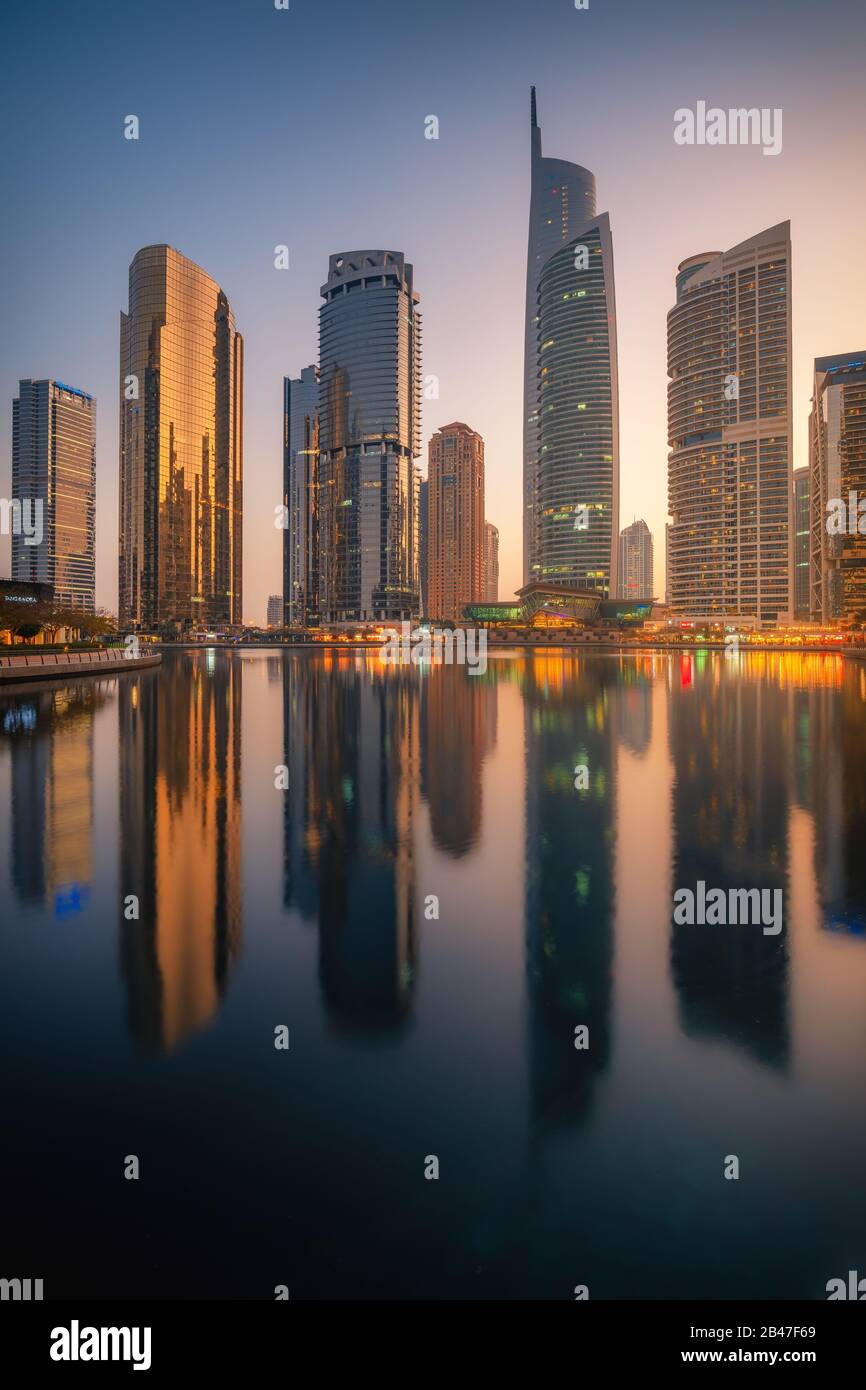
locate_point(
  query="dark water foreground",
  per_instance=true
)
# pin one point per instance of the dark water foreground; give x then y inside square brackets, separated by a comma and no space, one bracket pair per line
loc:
[412,1036]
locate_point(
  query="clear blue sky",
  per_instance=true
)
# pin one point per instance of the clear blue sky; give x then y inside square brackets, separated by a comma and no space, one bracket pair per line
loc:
[306,127]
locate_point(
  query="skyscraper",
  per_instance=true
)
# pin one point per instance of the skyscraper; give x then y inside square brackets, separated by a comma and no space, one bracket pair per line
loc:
[423,513]
[181,469]
[730,493]
[455,523]
[801,543]
[636,562]
[54,475]
[491,563]
[576,523]
[837,468]
[301,498]
[275,610]
[562,196]
[369,438]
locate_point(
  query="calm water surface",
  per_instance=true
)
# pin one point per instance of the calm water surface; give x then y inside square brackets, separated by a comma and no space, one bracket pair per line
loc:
[413,1036]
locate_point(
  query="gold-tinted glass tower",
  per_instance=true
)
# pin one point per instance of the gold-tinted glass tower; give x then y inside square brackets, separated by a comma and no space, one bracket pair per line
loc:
[181,455]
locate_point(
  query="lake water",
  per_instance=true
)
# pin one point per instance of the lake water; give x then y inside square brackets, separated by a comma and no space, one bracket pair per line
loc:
[414,1036]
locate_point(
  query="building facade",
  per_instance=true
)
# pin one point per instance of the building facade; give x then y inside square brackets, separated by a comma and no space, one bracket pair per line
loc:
[801,543]
[369,438]
[275,610]
[636,561]
[181,452]
[577,473]
[54,491]
[423,540]
[301,499]
[491,563]
[730,490]
[455,521]
[562,197]
[837,486]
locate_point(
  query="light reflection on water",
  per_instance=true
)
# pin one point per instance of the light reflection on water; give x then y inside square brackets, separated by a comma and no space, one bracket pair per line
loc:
[166,907]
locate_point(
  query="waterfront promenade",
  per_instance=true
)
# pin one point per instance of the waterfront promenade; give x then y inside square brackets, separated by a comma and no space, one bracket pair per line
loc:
[34,665]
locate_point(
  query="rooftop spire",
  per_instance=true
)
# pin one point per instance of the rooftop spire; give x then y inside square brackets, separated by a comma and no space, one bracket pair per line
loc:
[534,118]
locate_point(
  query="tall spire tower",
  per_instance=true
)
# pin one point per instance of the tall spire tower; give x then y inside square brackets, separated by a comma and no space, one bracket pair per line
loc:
[571,406]
[562,198]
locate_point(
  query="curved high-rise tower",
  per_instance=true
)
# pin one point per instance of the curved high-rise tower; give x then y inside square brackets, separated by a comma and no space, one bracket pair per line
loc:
[562,197]
[181,419]
[369,438]
[577,467]
[730,494]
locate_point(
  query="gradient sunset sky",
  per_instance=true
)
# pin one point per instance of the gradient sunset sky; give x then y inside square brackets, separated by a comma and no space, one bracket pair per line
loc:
[306,127]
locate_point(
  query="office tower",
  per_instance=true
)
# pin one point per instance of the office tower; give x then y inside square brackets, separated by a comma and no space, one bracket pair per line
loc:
[801,543]
[455,546]
[491,563]
[636,561]
[181,469]
[730,493]
[423,537]
[369,438]
[667,564]
[837,468]
[301,498]
[562,197]
[275,610]
[577,472]
[54,478]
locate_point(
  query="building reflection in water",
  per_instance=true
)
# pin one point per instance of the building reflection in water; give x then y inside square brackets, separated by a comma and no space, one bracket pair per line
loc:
[458,731]
[50,738]
[352,751]
[731,810]
[830,725]
[569,705]
[180,842]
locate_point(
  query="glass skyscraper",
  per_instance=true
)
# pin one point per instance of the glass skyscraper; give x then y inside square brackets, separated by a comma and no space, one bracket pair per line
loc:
[801,543]
[181,453]
[54,465]
[301,499]
[369,438]
[423,517]
[837,466]
[730,491]
[562,197]
[576,524]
